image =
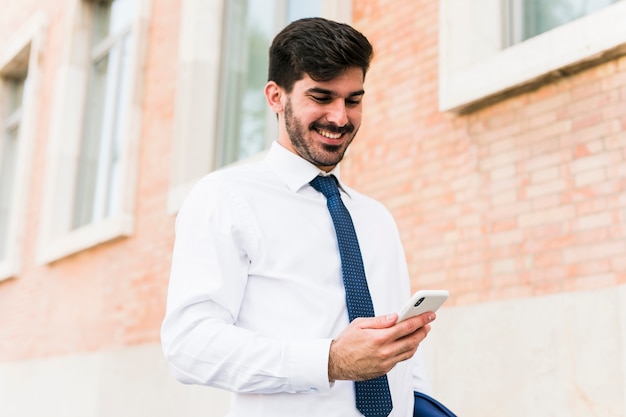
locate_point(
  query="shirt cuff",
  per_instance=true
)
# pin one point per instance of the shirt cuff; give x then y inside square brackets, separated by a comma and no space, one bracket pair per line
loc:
[307,364]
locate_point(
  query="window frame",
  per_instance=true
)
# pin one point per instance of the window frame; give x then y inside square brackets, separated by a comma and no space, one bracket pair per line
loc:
[195,141]
[57,237]
[476,69]
[103,181]
[23,50]
[514,17]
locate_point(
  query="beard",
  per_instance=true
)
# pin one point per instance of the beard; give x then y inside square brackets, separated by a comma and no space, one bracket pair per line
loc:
[319,154]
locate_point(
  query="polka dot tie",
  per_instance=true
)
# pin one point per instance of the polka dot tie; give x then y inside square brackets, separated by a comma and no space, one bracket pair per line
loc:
[372,397]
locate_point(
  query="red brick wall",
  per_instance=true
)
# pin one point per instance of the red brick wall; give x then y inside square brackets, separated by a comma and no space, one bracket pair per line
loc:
[521,198]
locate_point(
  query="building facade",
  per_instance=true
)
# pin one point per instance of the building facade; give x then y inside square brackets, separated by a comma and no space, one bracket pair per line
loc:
[494,130]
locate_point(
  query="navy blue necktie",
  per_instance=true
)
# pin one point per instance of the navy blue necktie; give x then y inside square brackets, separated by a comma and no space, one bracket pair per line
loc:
[372,397]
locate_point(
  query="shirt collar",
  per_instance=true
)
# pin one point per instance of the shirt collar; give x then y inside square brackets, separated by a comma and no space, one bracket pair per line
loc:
[295,171]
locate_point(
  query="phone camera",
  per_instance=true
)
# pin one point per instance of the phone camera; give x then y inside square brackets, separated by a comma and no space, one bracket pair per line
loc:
[419,302]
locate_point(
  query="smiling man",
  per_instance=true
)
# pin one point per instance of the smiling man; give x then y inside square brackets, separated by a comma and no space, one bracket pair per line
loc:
[284,280]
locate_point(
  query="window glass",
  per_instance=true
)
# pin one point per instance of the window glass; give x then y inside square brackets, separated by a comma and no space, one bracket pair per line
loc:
[8,156]
[246,125]
[297,9]
[533,17]
[98,179]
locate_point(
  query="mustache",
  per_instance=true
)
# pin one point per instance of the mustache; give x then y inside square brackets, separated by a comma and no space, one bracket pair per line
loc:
[348,128]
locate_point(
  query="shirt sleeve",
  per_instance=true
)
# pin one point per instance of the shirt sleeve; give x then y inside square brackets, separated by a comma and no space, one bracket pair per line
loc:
[200,339]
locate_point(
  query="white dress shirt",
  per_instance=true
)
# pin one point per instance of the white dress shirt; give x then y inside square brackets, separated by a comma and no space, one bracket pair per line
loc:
[256,293]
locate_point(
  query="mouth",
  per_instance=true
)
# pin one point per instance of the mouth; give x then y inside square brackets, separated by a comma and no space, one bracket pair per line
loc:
[333,133]
[328,134]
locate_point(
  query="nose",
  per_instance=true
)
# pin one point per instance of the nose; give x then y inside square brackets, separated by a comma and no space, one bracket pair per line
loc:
[337,113]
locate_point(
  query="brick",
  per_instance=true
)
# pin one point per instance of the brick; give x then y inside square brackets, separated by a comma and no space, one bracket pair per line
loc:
[546,288]
[546,188]
[504,198]
[546,174]
[593,205]
[471,276]
[549,131]
[504,266]
[500,225]
[592,236]
[602,250]
[618,263]
[549,276]
[466,258]
[503,252]
[550,102]
[506,238]
[589,163]
[591,282]
[596,131]
[547,201]
[594,190]
[552,215]
[499,160]
[544,161]
[542,119]
[595,267]
[435,252]
[545,259]
[509,211]
[590,177]
[506,171]
[592,221]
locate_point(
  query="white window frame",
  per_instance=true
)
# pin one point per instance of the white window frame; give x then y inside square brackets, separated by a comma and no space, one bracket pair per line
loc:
[26,44]
[113,107]
[57,237]
[195,140]
[476,69]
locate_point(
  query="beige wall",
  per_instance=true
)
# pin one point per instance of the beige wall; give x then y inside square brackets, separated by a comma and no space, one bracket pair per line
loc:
[129,382]
[553,355]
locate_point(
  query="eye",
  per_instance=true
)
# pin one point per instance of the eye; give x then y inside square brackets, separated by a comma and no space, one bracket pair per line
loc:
[322,99]
[353,102]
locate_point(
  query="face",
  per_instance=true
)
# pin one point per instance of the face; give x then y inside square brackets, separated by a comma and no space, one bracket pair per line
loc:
[320,119]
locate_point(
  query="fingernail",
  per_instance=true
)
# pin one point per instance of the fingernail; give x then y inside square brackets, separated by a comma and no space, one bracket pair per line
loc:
[431,317]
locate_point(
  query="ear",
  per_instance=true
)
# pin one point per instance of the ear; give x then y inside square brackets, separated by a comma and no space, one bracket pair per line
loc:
[274,95]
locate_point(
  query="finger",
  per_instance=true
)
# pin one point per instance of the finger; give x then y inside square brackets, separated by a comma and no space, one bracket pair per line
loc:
[408,345]
[413,324]
[378,322]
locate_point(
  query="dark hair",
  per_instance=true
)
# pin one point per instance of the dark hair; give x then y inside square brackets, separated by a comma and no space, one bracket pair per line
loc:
[318,47]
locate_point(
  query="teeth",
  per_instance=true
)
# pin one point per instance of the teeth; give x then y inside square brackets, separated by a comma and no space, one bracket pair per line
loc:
[329,135]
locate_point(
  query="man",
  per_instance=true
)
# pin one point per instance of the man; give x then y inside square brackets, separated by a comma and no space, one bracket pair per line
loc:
[257,302]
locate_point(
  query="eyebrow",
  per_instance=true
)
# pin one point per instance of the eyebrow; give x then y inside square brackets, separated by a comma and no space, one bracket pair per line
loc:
[319,90]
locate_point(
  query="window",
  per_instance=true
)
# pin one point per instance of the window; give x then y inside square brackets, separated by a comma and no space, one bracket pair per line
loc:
[18,85]
[246,124]
[106,105]
[491,48]
[528,18]
[221,114]
[95,128]
[8,152]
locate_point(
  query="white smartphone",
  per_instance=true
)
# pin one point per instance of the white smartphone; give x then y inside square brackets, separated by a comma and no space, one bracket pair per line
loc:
[423,301]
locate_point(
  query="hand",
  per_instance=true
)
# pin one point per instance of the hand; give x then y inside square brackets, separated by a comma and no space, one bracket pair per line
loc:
[371,347]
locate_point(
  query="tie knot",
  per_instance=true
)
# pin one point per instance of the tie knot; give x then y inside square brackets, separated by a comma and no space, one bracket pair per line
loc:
[326,185]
